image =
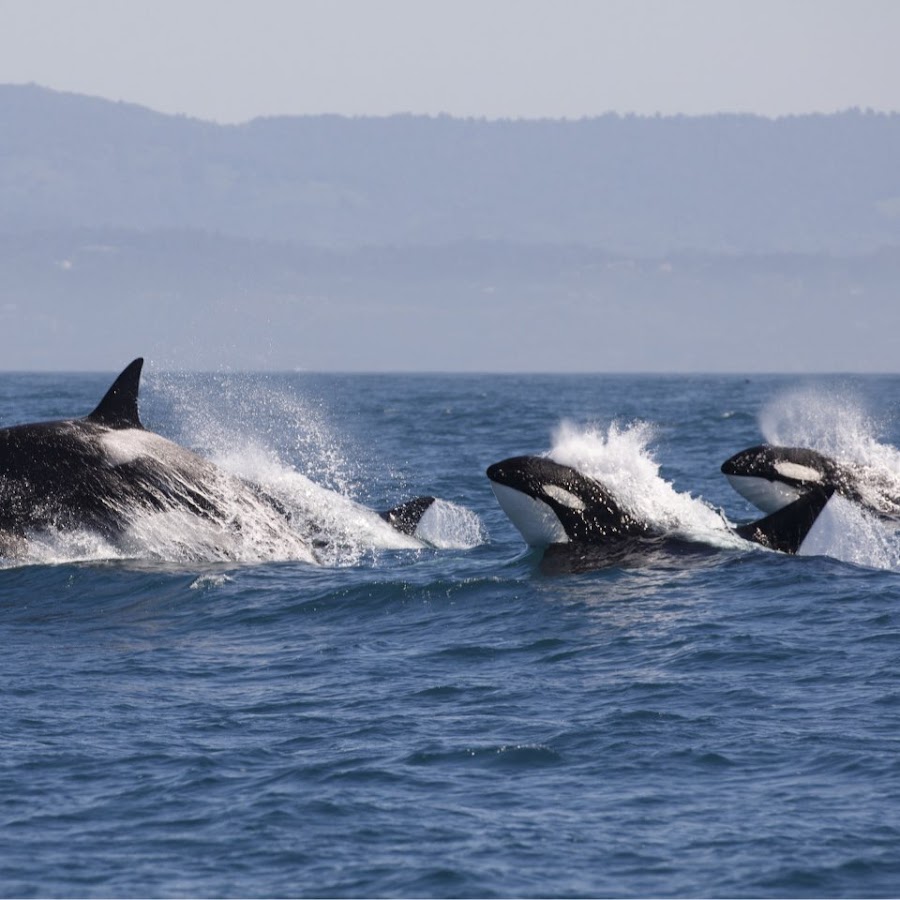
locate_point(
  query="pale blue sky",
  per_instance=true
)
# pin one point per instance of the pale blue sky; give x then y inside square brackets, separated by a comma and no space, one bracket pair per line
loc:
[232,60]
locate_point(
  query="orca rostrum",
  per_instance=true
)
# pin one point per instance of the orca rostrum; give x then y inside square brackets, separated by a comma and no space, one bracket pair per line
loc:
[104,473]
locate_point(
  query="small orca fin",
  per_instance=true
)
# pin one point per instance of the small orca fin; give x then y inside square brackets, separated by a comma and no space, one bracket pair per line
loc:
[786,529]
[118,408]
[406,517]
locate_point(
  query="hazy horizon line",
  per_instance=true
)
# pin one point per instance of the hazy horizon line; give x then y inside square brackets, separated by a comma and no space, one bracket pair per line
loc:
[586,117]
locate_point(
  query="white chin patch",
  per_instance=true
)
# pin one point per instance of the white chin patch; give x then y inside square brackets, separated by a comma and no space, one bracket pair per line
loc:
[769,496]
[535,520]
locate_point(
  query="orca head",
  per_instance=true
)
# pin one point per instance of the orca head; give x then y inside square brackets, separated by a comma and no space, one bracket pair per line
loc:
[550,503]
[772,478]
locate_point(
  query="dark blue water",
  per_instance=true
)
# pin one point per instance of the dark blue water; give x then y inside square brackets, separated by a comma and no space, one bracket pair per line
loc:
[455,721]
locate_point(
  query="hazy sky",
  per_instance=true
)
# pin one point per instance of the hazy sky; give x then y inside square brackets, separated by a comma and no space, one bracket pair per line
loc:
[232,60]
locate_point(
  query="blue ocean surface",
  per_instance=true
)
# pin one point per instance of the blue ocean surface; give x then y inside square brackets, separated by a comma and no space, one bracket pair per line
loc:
[454,719]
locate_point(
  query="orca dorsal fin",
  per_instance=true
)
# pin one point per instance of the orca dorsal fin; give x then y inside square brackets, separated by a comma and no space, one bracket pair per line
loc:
[787,529]
[118,408]
[406,517]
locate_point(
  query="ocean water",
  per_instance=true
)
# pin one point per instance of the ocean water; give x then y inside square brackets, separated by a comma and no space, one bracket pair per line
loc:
[456,719]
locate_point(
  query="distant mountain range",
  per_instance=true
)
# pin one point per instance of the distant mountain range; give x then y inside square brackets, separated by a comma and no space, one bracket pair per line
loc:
[631,185]
[718,243]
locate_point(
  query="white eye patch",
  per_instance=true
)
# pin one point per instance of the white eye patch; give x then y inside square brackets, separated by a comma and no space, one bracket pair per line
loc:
[797,472]
[564,497]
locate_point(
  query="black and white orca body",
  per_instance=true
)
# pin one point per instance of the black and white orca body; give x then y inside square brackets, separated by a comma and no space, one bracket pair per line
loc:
[552,505]
[772,477]
[105,472]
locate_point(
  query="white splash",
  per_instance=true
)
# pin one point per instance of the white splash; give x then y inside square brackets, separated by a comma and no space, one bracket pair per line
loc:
[261,428]
[847,532]
[52,547]
[210,582]
[450,527]
[836,423]
[342,529]
[620,459]
[236,498]
[228,413]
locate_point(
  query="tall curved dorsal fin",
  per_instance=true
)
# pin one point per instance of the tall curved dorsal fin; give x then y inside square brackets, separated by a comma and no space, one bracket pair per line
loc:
[788,528]
[118,408]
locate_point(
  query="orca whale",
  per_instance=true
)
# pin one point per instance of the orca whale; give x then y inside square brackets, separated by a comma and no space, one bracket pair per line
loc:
[103,472]
[557,507]
[771,477]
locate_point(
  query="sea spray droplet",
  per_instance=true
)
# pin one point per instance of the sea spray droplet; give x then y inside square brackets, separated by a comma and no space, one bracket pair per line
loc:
[210,582]
[834,422]
[249,429]
[230,412]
